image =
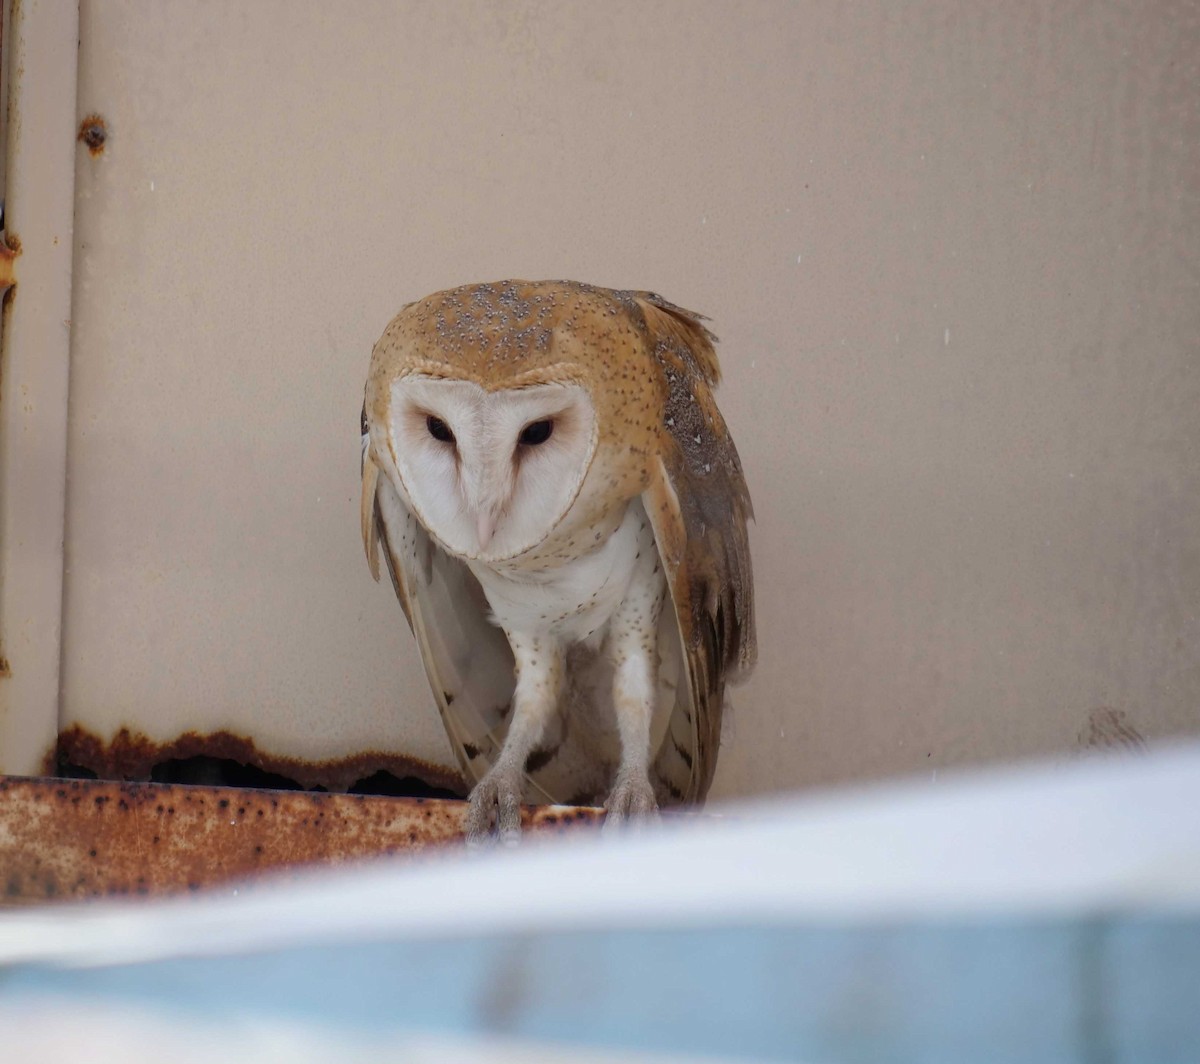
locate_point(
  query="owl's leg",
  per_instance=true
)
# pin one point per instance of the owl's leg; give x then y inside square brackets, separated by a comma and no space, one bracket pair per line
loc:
[633,648]
[496,799]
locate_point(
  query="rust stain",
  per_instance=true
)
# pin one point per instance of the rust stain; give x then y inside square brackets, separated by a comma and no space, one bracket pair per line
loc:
[129,755]
[10,248]
[93,131]
[81,839]
[6,305]
[5,668]
[1109,728]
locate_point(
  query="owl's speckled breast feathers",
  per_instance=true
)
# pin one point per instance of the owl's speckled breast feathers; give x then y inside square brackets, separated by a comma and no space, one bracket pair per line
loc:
[645,370]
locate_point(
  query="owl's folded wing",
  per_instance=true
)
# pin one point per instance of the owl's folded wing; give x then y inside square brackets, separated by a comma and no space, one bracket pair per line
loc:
[699,506]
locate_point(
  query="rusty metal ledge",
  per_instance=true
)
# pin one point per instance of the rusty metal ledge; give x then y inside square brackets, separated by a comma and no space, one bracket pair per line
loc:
[76,839]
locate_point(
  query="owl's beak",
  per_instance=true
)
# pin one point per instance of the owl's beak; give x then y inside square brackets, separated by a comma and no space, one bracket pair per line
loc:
[485,528]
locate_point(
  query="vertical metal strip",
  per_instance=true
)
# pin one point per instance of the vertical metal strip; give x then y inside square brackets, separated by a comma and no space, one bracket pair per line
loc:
[43,41]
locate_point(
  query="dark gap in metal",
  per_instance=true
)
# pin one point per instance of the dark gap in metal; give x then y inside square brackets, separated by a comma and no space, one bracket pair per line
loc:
[225,772]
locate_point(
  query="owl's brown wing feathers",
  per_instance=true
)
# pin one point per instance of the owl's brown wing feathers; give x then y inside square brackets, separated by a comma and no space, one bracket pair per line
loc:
[699,506]
[684,329]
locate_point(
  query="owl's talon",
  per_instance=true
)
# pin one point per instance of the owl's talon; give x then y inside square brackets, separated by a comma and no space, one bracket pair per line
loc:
[494,811]
[631,803]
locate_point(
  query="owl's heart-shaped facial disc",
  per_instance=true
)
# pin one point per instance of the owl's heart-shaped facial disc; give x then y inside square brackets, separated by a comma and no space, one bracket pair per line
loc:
[489,473]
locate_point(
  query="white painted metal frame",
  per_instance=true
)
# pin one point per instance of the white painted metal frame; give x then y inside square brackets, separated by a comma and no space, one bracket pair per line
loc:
[42,41]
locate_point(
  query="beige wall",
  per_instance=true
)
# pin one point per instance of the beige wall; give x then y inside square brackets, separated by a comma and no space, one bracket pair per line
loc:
[952,253]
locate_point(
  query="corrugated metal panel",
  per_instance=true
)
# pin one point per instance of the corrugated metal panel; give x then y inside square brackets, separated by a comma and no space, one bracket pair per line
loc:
[42,43]
[949,250]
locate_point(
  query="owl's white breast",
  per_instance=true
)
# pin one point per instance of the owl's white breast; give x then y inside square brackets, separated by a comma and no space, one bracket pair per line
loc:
[574,601]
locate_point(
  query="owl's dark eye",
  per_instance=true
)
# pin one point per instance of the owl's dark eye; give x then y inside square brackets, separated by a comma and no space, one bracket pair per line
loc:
[536,432]
[438,429]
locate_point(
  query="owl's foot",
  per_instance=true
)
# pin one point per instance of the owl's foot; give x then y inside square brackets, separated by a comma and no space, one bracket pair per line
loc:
[494,809]
[630,802]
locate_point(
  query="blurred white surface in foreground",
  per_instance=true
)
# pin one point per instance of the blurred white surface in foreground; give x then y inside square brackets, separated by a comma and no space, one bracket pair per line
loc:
[1041,914]
[1107,834]
[49,1033]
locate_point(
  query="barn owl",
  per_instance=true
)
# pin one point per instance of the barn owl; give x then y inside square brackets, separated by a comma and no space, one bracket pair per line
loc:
[563,514]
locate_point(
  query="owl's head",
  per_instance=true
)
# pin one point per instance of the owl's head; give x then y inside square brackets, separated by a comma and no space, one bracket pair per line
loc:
[489,404]
[489,473]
